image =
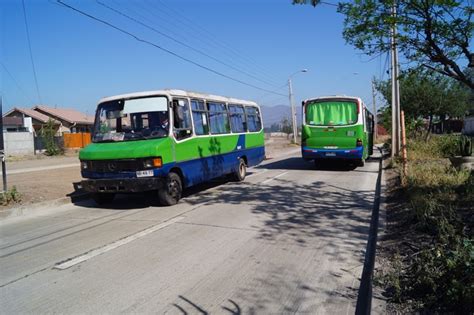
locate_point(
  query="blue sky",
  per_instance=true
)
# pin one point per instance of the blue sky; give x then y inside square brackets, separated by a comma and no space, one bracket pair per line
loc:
[79,60]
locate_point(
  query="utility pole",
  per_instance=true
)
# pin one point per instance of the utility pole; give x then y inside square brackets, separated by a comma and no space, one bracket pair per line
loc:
[2,148]
[293,111]
[374,109]
[292,105]
[395,90]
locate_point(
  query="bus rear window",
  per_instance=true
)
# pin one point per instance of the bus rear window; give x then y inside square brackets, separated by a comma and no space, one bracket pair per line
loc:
[333,113]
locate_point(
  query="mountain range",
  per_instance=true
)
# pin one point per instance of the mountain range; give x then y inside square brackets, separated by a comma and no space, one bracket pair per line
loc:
[275,114]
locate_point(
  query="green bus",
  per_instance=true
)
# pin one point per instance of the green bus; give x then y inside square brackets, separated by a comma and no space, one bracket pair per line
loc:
[337,127]
[167,140]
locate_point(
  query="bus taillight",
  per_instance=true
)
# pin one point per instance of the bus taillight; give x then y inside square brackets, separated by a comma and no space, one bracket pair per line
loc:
[358,142]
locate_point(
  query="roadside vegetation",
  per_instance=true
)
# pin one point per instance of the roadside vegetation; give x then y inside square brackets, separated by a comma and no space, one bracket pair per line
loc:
[47,134]
[429,246]
[10,196]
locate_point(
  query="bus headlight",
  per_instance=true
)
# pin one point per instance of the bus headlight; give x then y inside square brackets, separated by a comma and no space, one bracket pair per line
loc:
[83,165]
[152,163]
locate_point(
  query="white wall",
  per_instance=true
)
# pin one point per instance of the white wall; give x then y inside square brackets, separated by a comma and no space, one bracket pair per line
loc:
[18,143]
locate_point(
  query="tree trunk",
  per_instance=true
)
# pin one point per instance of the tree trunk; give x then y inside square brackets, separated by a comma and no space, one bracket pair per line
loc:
[430,125]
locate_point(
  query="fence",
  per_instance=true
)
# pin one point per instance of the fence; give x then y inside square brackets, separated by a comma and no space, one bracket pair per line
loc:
[40,146]
[76,140]
[18,143]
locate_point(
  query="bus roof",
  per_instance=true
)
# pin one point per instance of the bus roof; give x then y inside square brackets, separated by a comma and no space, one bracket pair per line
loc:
[334,97]
[180,93]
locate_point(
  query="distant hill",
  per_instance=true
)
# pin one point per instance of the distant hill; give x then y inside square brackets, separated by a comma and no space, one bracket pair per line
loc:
[274,114]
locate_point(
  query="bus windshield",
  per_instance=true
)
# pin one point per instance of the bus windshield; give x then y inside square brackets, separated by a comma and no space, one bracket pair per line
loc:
[133,119]
[331,113]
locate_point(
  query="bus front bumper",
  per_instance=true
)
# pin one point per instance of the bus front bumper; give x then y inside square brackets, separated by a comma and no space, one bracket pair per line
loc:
[128,185]
[316,153]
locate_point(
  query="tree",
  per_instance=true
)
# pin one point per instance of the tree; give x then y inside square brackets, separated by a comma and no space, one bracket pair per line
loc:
[286,125]
[424,93]
[48,131]
[434,34]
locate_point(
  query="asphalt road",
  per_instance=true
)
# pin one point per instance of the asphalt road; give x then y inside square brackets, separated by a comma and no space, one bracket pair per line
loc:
[289,239]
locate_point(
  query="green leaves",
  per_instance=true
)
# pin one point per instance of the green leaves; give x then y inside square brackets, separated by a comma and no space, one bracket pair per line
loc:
[425,93]
[431,33]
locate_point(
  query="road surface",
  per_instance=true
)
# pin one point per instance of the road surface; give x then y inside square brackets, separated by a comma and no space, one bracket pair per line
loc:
[289,239]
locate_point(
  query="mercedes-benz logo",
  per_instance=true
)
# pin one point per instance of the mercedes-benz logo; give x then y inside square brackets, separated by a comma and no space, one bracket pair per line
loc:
[112,166]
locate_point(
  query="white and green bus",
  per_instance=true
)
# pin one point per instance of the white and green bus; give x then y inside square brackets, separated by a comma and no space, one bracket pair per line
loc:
[337,127]
[168,140]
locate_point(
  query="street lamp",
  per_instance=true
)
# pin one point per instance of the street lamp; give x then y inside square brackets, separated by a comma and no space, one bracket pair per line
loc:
[292,104]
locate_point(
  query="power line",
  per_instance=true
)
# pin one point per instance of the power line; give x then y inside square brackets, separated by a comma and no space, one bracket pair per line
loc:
[219,44]
[16,83]
[182,43]
[191,28]
[164,49]
[31,52]
[265,95]
[189,36]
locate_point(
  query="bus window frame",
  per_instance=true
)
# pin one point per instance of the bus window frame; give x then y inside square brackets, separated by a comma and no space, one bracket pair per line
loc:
[356,100]
[200,111]
[226,111]
[245,116]
[169,109]
[259,116]
[177,98]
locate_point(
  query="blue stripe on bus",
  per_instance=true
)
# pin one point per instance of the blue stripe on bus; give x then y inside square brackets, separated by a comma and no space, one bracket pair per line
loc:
[195,171]
[240,143]
[313,153]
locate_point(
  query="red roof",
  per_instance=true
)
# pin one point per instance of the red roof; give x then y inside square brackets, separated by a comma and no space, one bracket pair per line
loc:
[67,114]
[31,113]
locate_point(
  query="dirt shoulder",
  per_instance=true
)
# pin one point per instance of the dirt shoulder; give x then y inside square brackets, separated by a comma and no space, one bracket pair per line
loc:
[425,255]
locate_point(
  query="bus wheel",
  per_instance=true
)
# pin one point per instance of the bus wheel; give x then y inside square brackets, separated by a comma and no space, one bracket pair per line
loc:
[241,172]
[361,162]
[171,192]
[103,198]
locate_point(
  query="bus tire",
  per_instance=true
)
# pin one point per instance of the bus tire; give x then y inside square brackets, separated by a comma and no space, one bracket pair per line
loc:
[241,172]
[103,198]
[361,162]
[170,193]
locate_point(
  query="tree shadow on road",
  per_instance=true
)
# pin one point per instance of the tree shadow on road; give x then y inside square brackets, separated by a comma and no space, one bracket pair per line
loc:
[299,211]
[298,163]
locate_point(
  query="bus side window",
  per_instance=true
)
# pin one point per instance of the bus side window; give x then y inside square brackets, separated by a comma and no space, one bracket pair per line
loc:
[253,119]
[218,118]
[200,117]
[182,119]
[238,122]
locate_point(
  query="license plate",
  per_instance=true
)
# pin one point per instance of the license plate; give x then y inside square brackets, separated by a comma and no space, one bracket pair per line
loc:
[330,154]
[147,173]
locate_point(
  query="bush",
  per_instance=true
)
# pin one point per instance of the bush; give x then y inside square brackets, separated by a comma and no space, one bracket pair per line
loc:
[438,269]
[47,133]
[435,148]
[10,196]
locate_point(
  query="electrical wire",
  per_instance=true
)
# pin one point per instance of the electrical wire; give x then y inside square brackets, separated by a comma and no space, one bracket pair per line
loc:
[17,84]
[164,49]
[31,52]
[187,35]
[217,43]
[182,43]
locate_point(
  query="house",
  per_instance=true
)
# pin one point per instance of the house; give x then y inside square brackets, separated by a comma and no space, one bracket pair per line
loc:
[14,124]
[29,119]
[70,120]
[65,120]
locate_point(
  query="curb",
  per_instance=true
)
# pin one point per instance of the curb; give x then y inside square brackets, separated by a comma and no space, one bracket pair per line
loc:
[364,296]
[41,207]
